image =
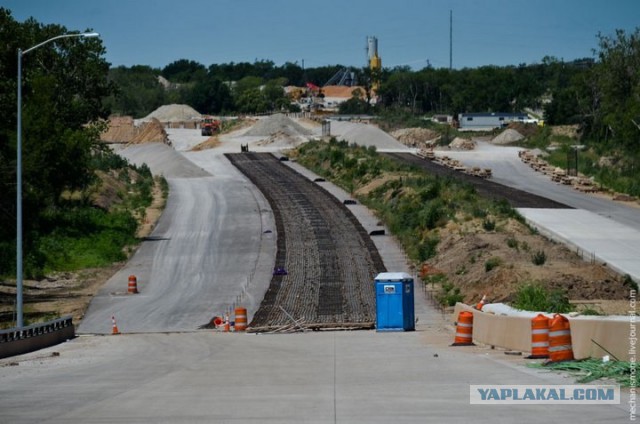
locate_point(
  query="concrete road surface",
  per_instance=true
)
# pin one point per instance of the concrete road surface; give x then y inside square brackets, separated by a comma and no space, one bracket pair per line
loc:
[328,377]
[209,251]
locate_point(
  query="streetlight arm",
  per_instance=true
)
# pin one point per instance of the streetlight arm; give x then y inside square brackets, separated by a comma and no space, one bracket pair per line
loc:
[85,34]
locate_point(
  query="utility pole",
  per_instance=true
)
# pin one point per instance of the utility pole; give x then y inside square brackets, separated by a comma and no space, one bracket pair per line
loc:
[450,39]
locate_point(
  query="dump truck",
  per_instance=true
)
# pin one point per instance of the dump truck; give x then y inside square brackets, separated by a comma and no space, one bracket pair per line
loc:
[209,126]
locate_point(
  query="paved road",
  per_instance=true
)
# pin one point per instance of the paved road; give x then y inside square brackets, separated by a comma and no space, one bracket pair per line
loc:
[335,377]
[208,252]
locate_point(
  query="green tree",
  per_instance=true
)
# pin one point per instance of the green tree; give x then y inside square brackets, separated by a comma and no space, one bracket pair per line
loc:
[210,96]
[137,91]
[63,87]
[183,70]
[618,82]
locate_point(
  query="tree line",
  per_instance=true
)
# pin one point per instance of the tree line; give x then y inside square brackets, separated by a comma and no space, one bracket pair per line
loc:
[601,94]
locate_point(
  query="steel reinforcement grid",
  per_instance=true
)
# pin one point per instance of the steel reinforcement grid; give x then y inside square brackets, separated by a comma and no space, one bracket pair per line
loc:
[329,259]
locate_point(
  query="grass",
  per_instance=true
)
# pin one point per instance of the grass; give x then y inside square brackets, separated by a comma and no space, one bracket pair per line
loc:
[589,370]
[76,235]
[534,297]
[412,203]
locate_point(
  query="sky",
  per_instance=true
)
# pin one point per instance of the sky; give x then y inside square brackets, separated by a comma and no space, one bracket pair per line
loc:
[411,33]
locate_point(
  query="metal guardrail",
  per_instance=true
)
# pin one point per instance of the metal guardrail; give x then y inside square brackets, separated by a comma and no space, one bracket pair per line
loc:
[17,341]
[35,330]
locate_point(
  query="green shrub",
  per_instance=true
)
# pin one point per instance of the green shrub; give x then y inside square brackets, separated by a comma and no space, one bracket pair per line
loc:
[513,243]
[492,263]
[489,224]
[629,282]
[539,258]
[535,297]
[449,295]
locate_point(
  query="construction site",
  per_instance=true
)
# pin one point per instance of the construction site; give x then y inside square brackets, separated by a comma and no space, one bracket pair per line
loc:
[254,243]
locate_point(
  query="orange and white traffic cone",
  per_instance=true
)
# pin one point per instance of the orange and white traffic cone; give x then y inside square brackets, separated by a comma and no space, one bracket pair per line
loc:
[482,302]
[114,330]
[227,326]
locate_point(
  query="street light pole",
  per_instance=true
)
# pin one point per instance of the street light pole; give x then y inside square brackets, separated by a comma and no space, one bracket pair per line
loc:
[19,321]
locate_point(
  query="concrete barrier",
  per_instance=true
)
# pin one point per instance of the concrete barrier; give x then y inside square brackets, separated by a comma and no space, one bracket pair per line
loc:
[514,333]
[17,341]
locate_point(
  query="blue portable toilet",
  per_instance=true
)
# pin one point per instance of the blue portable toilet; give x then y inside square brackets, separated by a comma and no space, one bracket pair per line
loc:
[394,302]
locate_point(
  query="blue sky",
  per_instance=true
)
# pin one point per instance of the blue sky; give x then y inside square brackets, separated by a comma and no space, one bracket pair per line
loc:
[409,32]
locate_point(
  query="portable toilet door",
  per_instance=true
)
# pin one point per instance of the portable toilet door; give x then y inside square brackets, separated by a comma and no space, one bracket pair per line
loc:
[389,306]
[408,310]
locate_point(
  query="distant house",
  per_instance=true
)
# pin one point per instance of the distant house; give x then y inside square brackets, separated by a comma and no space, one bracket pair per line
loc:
[489,120]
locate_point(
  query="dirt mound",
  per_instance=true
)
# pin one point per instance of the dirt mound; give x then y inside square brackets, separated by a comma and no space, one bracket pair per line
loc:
[497,263]
[507,136]
[123,130]
[462,144]
[150,132]
[120,129]
[209,143]
[342,91]
[416,137]
[527,130]
[174,113]
[280,139]
[276,124]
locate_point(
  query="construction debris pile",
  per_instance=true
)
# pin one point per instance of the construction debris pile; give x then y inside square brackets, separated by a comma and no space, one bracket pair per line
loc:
[459,143]
[122,129]
[558,175]
[416,137]
[507,136]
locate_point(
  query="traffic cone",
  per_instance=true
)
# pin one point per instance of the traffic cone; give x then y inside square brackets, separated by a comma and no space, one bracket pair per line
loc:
[227,326]
[481,303]
[114,330]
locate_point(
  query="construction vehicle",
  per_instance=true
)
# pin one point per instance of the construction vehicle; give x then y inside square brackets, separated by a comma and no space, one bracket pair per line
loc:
[209,126]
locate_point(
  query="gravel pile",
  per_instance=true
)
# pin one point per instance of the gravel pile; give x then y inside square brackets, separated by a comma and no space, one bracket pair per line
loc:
[507,136]
[277,124]
[365,135]
[174,113]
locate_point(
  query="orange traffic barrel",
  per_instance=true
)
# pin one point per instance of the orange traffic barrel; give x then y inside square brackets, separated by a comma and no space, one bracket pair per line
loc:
[560,339]
[241,319]
[464,329]
[539,337]
[133,284]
